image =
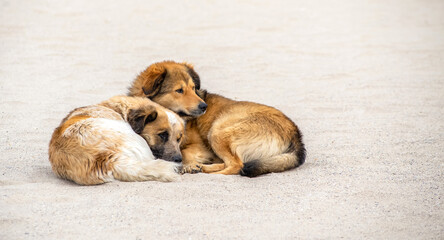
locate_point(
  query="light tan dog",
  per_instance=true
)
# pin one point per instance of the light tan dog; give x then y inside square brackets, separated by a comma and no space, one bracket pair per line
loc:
[250,138]
[117,139]
[239,137]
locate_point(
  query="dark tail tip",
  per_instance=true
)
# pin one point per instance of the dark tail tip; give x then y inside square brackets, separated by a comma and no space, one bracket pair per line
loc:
[301,154]
[251,169]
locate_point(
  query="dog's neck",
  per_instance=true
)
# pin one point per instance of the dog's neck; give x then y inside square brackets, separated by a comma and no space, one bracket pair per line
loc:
[212,99]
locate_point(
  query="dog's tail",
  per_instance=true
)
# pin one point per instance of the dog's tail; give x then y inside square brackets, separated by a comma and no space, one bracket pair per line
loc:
[101,169]
[153,170]
[293,157]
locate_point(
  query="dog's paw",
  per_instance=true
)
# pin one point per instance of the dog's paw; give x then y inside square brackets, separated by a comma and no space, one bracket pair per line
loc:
[191,168]
[178,169]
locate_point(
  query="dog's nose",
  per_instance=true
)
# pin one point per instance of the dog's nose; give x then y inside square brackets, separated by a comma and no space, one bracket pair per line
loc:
[177,158]
[202,106]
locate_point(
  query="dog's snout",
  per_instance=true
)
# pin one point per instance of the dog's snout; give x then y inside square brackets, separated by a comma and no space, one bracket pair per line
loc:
[177,158]
[202,106]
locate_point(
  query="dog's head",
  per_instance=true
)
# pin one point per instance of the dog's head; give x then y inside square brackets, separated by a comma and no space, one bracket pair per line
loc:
[162,129]
[172,85]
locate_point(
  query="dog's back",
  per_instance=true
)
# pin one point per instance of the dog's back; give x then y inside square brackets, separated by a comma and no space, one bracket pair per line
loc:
[255,138]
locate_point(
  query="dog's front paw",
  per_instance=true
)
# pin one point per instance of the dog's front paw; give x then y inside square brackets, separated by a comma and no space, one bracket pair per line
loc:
[178,169]
[191,168]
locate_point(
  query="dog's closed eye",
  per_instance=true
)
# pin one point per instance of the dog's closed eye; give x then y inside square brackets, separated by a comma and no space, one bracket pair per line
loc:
[164,136]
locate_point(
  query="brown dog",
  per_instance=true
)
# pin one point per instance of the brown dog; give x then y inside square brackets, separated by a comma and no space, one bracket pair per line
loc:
[98,143]
[250,138]
[247,138]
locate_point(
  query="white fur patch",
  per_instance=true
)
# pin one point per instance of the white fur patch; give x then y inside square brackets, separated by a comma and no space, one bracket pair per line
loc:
[135,161]
[258,149]
[172,118]
[115,125]
[134,146]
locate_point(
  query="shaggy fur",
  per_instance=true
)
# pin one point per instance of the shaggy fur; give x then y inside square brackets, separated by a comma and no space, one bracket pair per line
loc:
[250,138]
[236,137]
[99,143]
[173,85]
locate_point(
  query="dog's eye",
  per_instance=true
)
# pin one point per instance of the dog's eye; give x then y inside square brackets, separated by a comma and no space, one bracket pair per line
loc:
[194,88]
[180,137]
[179,90]
[164,136]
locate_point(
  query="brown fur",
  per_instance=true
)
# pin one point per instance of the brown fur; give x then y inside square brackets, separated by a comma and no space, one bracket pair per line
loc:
[238,137]
[250,138]
[88,149]
[172,85]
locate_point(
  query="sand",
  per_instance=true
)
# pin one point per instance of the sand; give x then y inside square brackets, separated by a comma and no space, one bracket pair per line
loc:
[364,81]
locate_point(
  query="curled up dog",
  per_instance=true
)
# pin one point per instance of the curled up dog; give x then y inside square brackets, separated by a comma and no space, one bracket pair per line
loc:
[118,139]
[236,137]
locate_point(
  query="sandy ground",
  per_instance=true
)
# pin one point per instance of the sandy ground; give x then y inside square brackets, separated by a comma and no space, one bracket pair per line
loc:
[364,80]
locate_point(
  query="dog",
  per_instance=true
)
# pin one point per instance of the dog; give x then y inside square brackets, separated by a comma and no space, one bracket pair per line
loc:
[237,137]
[250,138]
[118,139]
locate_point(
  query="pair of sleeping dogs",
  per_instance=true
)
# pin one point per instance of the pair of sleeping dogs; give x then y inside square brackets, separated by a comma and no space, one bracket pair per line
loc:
[168,119]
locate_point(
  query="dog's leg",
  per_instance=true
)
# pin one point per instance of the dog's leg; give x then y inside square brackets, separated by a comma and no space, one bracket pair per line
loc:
[220,141]
[233,164]
[213,167]
[233,168]
[193,156]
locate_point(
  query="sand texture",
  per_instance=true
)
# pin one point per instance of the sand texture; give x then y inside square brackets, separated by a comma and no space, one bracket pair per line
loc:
[364,81]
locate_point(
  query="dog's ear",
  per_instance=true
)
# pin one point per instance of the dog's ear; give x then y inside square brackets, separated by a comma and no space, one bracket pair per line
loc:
[202,94]
[193,74]
[152,79]
[138,118]
[151,117]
